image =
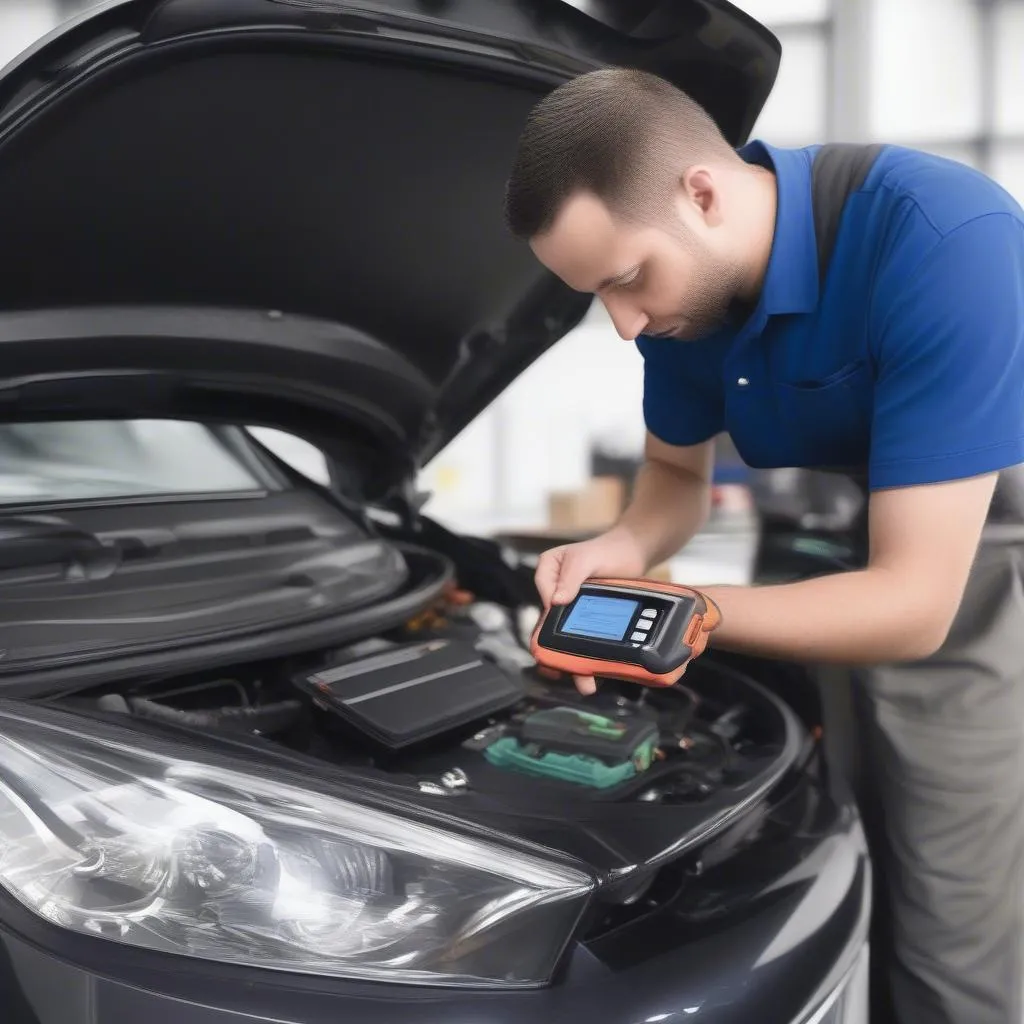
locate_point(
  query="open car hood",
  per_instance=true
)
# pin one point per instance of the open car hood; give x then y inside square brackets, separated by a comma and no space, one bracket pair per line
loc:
[172,171]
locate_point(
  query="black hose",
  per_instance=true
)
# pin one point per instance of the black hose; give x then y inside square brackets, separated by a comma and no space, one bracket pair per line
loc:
[265,718]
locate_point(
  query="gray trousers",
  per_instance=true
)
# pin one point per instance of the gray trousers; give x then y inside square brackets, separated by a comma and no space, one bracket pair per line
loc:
[942,752]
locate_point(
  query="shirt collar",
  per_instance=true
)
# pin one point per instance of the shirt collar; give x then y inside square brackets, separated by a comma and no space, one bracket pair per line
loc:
[791,281]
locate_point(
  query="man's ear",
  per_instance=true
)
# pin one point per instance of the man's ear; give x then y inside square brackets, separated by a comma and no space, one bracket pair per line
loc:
[699,191]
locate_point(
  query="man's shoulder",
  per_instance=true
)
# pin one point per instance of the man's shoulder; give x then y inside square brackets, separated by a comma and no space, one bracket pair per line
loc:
[945,192]
[916,186]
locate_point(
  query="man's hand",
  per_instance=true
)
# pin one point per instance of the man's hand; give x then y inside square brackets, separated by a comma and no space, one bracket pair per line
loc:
[900,608]
[562,570]
[671,498]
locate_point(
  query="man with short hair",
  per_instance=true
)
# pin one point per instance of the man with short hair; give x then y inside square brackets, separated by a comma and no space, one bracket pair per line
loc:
[905,361]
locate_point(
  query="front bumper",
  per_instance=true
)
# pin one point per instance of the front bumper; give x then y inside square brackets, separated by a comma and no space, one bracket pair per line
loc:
[848,1002]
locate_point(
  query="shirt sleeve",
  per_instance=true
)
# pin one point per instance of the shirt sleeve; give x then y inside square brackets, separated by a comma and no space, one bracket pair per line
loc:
[949,393]
[683,396]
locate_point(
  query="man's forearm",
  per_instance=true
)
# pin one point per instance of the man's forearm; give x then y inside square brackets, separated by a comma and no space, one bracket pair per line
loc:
[669,506]
[850,618]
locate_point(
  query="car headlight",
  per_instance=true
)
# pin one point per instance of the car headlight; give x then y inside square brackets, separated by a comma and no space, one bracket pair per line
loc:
[136,846]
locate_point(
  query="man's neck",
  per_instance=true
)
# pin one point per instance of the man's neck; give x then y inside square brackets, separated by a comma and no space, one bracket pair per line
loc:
[759,208]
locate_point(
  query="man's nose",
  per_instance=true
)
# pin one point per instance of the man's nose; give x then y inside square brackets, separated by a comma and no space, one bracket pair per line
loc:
[628,320]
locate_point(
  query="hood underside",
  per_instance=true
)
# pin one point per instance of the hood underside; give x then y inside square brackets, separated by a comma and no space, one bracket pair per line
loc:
[337,161]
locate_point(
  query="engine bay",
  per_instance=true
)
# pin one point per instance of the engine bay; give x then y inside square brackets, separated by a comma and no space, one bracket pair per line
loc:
[452,702]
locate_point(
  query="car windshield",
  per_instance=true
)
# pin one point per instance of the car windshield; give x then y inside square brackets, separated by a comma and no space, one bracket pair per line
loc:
[42,462]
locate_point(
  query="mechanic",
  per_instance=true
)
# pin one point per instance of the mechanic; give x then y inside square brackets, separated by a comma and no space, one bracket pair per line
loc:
[906,363]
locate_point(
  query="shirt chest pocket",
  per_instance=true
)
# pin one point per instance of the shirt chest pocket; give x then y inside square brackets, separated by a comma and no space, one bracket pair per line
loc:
[829,416]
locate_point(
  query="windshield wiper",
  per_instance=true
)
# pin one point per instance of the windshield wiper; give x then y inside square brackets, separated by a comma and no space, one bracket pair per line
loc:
[36,548]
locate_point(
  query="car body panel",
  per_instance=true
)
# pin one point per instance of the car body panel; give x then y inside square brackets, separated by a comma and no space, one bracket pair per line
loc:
[288,212]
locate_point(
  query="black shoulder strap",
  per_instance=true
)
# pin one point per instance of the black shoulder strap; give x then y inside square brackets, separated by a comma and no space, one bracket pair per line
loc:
[838,170]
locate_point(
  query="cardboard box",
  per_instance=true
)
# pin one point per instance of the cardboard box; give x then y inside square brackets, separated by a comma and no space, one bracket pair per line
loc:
[595,507]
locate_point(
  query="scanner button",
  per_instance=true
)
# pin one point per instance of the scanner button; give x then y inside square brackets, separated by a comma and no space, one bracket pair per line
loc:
[638,636]
[648,613]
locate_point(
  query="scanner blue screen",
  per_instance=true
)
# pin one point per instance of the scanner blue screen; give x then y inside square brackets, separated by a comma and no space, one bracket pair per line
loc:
[604,618]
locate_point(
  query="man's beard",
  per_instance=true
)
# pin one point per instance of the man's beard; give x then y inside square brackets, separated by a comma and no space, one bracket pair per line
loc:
[712,302]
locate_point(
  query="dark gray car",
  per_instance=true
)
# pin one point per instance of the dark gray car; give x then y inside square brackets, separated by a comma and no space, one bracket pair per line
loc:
[273,749]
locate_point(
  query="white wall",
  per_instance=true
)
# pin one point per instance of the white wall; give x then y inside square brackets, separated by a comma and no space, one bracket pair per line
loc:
[796,113]
[22,22]
[1008,156]
[1009,34]
[925,73]
[1008,168]
[779,13]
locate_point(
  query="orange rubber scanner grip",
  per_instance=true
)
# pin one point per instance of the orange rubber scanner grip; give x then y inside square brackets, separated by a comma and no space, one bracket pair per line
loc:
[687,619]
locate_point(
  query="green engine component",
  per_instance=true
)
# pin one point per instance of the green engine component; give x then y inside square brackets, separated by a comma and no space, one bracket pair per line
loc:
[577,746]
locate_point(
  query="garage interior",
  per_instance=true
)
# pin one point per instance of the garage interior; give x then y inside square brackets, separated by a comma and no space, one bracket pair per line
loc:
[552,459]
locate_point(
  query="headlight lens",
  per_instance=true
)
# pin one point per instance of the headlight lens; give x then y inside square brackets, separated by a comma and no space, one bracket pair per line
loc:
[181,856]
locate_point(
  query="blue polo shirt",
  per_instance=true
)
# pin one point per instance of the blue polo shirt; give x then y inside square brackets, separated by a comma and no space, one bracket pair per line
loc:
[909,364]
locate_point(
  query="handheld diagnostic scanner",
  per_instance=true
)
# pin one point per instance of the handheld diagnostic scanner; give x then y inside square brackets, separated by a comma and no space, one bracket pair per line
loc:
[640,631]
